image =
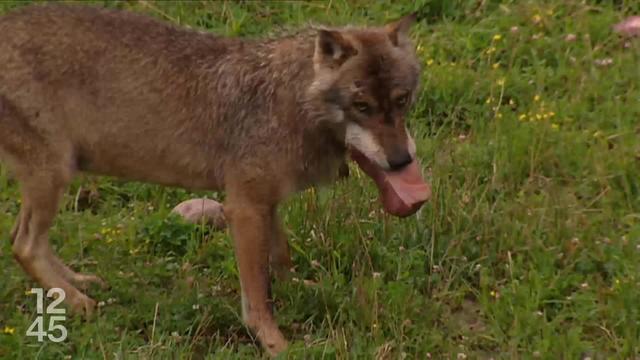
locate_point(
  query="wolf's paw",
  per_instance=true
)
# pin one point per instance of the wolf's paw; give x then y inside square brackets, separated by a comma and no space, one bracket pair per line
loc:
[272,341]
[83,281]
[82,305]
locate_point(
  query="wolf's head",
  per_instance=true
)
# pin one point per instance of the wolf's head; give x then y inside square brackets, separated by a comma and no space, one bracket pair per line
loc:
[367,80]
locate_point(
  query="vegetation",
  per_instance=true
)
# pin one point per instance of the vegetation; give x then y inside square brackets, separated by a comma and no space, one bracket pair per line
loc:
[527,125]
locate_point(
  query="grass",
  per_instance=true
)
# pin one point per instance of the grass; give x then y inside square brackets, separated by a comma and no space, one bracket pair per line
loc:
[530,247]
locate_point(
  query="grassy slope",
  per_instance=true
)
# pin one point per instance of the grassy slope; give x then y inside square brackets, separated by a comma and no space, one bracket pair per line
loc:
[529,248]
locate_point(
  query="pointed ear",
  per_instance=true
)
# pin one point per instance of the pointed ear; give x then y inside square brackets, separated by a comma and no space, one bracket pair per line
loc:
[332,49]
[399,29]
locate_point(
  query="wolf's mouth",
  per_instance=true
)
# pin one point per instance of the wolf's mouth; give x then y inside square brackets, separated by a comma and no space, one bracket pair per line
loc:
[402,192]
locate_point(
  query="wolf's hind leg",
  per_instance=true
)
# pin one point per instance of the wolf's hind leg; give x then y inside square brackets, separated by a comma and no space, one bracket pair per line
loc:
[78,279]
[42,189]
[279,253]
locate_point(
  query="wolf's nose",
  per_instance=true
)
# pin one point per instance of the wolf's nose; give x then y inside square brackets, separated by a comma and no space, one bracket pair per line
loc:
[398,161]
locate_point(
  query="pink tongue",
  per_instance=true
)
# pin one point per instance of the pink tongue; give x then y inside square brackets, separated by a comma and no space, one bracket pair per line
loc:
[409,185]
[402,192]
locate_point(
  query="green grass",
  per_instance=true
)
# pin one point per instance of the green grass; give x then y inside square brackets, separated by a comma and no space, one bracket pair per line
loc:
[530,247]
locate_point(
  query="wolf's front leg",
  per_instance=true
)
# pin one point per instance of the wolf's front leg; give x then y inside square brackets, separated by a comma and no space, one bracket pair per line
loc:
[251,226]
[279,254]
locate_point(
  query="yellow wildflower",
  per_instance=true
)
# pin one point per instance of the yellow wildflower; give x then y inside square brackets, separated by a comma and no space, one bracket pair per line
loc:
[499,115]
[489,100]
[536,98]
[552,114]
[522,117]
[496,65]
[9,330]
[490,50]
[536,19]
[555,126]
[500,82]
[429,62]
[497,37]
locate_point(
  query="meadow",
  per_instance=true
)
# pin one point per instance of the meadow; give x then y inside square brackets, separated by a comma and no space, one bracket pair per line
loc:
[528,127]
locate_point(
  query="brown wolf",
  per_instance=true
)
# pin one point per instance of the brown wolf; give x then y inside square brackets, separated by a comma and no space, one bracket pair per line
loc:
[115,93]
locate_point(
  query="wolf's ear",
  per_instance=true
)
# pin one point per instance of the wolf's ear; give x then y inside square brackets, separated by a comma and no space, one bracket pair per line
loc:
[399,29]
[332,49]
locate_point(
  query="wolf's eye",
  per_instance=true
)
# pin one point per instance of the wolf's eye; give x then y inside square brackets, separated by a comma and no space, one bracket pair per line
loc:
[402,100]
[362,106]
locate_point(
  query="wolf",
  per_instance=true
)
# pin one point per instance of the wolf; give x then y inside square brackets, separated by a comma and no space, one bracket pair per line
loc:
[115,93]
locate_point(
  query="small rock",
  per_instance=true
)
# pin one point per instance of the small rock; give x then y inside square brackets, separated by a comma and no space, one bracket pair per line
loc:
[197,211]
[629,27]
